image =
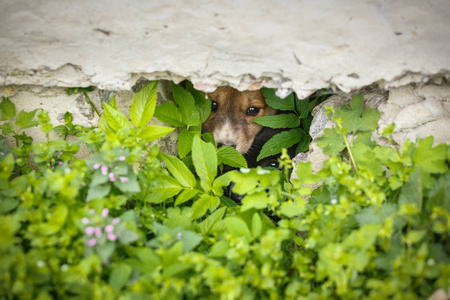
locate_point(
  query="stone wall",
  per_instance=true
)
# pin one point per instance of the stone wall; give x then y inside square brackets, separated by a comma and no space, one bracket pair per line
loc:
[291,45]
[400,46]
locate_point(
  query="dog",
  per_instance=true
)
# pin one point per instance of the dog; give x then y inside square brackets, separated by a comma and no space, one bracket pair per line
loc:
[232,115]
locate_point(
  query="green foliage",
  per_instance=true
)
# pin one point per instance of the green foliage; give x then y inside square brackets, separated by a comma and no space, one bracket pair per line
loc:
[296,115]
[189,110]
[120,226]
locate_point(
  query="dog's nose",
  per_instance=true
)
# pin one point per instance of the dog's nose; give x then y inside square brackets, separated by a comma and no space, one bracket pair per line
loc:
[229,145]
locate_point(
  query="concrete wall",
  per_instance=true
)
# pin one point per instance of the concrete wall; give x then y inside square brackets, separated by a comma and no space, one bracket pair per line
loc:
[47,45]
[299,45]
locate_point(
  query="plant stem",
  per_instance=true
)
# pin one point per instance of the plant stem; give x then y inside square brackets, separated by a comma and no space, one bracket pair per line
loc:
[350,153]
[91,104]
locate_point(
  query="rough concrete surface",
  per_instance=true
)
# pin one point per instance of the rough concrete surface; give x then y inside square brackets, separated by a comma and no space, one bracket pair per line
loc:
[299,45]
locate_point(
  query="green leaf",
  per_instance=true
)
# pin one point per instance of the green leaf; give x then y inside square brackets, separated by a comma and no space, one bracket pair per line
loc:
[115,119]
[148,257]
[219,183]
[331,142]
[103,125]
[61,129]
[219,249]
[258,200]
[207,226]
[167,187]
[354,119]
[143,105]
[179,170]
[186,105]
[202,102]
[154,132]
[204,159]
[172,255]
[256,225]
[237,227]
[68,118]
[113,102]
[130,186]
[119,276]
[56,220]
[189,239]
[276,102]
[439,194]
[169,114]
[7,109]
[230,156]
[303,107]
[98,192]
[411,192]
[304,143]
[227,202]
[186,195]
[279,121]
[204,203]
[291,209]
[243,182]
[185,139]
[7,128]
[305,175]
[24,119]
[431,159]
[279,141]
[105,251]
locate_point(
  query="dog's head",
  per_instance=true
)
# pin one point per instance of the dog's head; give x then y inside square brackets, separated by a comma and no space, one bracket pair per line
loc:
[232,115]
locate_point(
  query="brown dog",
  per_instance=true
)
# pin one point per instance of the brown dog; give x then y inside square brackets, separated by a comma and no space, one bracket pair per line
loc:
[232,115]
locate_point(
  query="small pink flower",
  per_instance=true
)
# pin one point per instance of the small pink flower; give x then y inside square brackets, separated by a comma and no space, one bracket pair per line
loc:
[112,237]
[122,158]
[112,177]
[179,236]
[98,231]
[109,228]
[85,221]
[97,166]
[92,242]
[92,211]
[105,212]
[124,179]
[115,221]
[104,170]
[60,163]
[89,230]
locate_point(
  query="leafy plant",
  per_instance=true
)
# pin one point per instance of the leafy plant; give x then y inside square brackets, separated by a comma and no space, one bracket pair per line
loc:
[189,110]
[119,225]
[294,115]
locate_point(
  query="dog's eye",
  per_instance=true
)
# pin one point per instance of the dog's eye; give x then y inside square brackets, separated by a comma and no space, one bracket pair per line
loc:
[214,106]
[253,111]
[273,164]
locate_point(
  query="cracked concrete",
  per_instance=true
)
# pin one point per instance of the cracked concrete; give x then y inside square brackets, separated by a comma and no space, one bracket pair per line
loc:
[300,46]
